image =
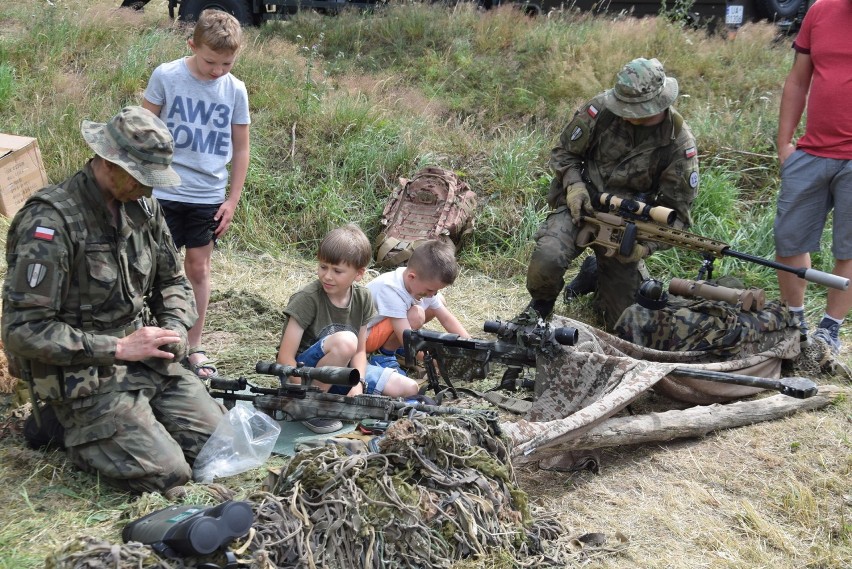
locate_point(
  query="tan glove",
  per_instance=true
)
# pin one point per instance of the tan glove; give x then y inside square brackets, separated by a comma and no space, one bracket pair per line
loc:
[578,200]
[638,253]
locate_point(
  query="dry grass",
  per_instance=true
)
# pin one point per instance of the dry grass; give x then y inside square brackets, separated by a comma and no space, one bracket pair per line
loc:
[770,495]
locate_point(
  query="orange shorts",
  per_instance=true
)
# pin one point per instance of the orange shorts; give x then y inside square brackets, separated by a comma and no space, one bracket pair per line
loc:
[380,333]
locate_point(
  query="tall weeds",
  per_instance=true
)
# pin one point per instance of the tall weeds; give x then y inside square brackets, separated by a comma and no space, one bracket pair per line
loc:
[343,106]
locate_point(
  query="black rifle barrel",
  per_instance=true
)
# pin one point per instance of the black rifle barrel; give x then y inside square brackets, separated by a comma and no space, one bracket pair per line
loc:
[798,387]
[326,374]
[812,275]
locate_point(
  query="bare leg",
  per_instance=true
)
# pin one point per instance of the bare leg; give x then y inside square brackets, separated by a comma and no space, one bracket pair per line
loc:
[792,287]
[840,301]
[197,266]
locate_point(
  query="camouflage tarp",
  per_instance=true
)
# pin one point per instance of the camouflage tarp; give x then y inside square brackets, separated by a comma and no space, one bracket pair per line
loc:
[600,375]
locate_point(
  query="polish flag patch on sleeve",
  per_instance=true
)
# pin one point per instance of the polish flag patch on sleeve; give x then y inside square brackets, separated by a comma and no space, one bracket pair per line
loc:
[44,233]
[690,152]
[592,110]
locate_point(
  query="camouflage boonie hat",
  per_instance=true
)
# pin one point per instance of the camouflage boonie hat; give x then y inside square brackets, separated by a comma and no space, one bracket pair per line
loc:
[641,90]
[138,141]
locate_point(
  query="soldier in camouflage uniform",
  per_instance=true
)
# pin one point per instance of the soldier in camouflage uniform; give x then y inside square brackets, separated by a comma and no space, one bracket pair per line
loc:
[88,260]
[627,141]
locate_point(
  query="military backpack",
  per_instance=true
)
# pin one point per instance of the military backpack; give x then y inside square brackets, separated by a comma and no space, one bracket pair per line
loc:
[434,204]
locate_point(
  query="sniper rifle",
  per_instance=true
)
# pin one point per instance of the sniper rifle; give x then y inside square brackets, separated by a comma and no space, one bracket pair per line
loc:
[519,344]
[621,222]
[302,401]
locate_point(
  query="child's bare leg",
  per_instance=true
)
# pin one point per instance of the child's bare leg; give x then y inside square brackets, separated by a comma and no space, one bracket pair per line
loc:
[400,386]
[339,349]
[197,267]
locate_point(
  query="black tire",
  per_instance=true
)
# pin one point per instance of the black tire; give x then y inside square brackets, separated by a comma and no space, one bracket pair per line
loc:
[775,9]
[240,9]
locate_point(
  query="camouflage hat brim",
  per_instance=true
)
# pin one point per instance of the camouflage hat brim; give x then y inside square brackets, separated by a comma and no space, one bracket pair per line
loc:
[148,173]
[644,109]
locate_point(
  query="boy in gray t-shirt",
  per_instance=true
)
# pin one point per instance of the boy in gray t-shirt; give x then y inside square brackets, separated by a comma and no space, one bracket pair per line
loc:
[206,110]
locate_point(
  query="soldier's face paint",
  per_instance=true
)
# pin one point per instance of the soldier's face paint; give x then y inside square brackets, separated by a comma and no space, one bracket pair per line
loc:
[126,188]
[647,121]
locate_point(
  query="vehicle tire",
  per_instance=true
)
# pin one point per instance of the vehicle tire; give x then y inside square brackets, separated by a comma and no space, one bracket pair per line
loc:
[240,9]
[775,9]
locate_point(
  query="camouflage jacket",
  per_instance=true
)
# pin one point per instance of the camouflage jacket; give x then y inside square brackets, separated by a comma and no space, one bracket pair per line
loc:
[60,245]
[601,148]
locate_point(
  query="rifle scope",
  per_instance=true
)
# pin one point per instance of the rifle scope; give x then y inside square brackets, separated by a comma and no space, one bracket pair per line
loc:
[658,213]
[332,375]
[564,335]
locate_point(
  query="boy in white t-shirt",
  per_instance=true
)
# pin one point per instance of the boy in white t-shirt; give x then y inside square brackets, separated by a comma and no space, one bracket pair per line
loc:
[408,297]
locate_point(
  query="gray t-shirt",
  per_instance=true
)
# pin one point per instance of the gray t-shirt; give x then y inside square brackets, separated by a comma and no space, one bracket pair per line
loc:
[199,115]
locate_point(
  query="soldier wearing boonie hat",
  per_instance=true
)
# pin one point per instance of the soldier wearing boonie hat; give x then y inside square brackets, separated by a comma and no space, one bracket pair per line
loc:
[138,141]
[641,90]
[628,141]
[86,259]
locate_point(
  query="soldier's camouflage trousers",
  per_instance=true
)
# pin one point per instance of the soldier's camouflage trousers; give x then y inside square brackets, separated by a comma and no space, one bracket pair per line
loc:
[555,249]
[142,440]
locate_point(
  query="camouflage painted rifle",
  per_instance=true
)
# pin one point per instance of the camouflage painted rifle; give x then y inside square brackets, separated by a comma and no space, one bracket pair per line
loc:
[303,401]
[522,340]
[620,223]
[517,345]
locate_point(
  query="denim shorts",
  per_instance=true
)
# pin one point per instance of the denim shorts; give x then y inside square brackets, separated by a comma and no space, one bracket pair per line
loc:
[377,377]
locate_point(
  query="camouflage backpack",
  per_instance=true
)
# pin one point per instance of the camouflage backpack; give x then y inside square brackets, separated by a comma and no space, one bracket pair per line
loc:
[434,204]
[719,329]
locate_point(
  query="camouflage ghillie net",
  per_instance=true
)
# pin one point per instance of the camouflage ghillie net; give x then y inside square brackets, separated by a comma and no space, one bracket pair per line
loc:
[602,374]
[439,490]
[817,360]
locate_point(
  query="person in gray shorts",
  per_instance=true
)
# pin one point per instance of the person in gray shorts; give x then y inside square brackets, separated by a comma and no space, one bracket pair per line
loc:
[816,172]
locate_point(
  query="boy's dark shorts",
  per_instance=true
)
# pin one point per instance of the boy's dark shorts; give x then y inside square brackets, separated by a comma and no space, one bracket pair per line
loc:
[191,224]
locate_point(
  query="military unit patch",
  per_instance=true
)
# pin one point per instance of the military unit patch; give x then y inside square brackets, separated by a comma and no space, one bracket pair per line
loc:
[35,274]
[578,132]
[44,233]
[693,180]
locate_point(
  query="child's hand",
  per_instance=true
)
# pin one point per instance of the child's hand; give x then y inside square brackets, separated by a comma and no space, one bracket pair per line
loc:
[224,216]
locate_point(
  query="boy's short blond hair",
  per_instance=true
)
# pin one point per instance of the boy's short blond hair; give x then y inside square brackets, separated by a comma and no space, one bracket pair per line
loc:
[219,31]
[347,244]
[435,259]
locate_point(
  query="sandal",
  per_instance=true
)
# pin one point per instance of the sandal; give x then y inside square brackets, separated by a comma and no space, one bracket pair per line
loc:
[206,364]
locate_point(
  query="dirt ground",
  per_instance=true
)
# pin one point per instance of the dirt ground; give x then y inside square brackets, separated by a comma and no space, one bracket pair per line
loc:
[774,494]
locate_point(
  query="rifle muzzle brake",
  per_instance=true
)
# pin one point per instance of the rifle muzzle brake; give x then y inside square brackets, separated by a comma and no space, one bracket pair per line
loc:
[332,375]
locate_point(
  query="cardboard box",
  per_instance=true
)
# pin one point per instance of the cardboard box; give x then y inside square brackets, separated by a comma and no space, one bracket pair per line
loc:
[21,172]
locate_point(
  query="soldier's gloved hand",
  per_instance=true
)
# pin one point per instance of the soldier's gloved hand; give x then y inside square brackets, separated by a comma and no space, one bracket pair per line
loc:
[578,200]
[638,253]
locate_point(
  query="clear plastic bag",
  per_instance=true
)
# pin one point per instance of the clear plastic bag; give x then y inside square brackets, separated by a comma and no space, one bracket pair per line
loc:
[243,439]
